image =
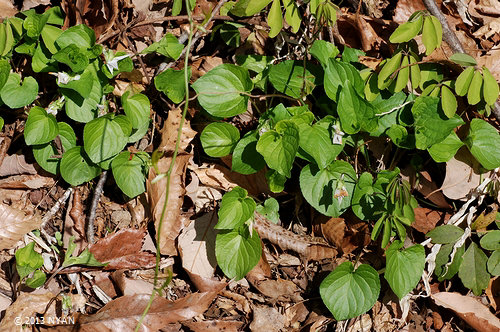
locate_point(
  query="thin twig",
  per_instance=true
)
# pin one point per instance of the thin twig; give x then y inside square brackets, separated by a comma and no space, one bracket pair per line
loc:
[137,55]
[93,206]
[62,200]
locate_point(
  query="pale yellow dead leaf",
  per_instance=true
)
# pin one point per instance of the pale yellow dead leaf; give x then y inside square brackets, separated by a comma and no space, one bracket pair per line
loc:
[14,224]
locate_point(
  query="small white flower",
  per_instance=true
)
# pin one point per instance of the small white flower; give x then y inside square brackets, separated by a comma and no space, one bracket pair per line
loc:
[65,78]
[55,106]
[340,190]
[337,137]
[112,64]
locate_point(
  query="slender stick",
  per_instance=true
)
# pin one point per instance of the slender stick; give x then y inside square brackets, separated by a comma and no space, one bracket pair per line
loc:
[93,206]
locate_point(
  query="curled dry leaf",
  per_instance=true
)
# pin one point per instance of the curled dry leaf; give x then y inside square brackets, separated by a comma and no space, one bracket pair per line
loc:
[170,130]
[15,165]
[27,182]
[14,224]
[461,175]
[469,309]
[172,223]
[267,319]
[427,219]
[123,250]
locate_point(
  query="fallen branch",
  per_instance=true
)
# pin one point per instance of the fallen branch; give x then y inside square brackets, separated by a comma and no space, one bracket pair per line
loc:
[93,206]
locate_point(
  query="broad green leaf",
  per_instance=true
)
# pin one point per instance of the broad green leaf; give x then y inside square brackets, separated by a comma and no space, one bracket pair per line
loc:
[474,93]
[445,150]
[407,31]
[276,181]
[403,75]
[83,109]
[323,51]
[269,209]
[4,72]
[235,209]
[351,55]
[404,267]
[483,142]
[56,15]
[355,112]
[443,257]
[279,146]
[445,234]
[129,173]
[72,56]
[472,271]
[339,74]
[328,190]
[79,35]
[137,108]
[431,125]
[34,23]
[49,35]
[491,240]
[414,71]
[42,62]
[253,62]
[448,102]
[246,159]
[400,136]
[76,168]
[316,141]
[249,7]
[219,139]
[168,46]
[46,154]
[290,77]
[490,87]
[366,200]
[463,81]
[430,37]
[371,89]
[237,251]
[430,73]
[348,293]
[275,19]
[139,133]
[220,91]
[83,85]
[463,59]
[103,138]
[37,280]
[292,14]
[27,260]
[230,33]
[384,76]
[171,83]
[84,258]
[40,127]
[6,39]
[16,95]
[494,263]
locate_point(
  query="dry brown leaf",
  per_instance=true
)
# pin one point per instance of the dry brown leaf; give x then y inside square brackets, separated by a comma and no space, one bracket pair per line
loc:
[214,325]
[469,309]
[196,246]
[27,182]
[130,286]
[7,9]
[267,319]
[172,223]
[491,60]
[369,38]
[493,293]
[16,164]
[296,314]
[332,229]
[427,187]
[14,224]
[405,8]
[427,219]
[123,313]
[123,250]
[461,175]
[169,132]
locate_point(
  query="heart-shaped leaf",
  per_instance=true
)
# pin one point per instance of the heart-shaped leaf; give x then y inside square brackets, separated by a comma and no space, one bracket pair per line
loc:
[46,154]
[103,138]
[483,142]
[219,139]
[235,209]
[129,172]
[76,167]
[137,108]
[40,127]
[16,95]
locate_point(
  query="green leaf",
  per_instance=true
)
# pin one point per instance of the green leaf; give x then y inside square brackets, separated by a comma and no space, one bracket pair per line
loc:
[6,39]
[246,159]
[491,240]
[275,180]
[83,85]
[316,141]
[219,139]
[494,263]
[443,258]
[430,73]
[399,135]
[445,150]
[490,87]
[366,200]
[430,34]
[414,71]
[448,102]
[404,268]
[384,76]
[339,74]
[37,280]
[139,133]
[249,7]
[483,142]
[168,46]
[472,271]
[445,234]
[403,75]
[34,23]
[56,15]
[220,90]
[79,35]
[279,146]
[27,260]
[290,77]
[407,31]
[1,123]
[349,293]
[292,15]
[137,108]
[351,55]
[474,93]
[83,109]
[85,257]
[235,209]
[4,72]
[463,59]
[44,154]
[355,112]
[103,138]
[42,62]
[171,83]
[275,19]
[129,172]
[76,167]
[73,57]
[431,125]
[16,95]
[253,62]
[237,251]
[40,127]
[323,51]
[463,81]
[321,186]
[270,209]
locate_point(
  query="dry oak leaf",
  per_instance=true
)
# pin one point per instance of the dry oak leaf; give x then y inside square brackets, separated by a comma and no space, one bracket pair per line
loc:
[172,223]
[169,132]
[27,182]
[470,310]
[15,165]
[14,224]
[427,219]
[123,250]
[123,313]
[214,325]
